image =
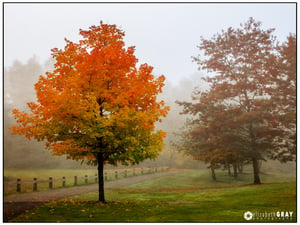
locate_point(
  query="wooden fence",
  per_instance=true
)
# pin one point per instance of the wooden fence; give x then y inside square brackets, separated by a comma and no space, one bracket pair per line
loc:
[82,180]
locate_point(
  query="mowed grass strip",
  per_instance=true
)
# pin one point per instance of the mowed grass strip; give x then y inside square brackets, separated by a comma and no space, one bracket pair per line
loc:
[184,201]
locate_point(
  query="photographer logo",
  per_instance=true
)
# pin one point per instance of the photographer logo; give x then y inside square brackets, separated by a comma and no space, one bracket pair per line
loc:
[248,215]
[269,216]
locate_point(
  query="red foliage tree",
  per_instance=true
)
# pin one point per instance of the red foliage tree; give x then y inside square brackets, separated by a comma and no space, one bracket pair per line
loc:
[283,92]
[239,113]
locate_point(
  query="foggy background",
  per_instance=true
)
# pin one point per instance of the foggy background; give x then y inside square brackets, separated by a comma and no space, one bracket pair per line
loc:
[165,36]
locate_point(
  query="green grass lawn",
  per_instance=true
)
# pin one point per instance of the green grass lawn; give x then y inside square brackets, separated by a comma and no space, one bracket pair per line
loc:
[186,197]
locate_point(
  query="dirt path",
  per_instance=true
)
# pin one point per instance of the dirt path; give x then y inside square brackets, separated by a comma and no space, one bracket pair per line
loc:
[19,203]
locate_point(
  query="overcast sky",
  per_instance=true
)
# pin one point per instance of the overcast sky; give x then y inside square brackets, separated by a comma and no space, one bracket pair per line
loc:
[165,35]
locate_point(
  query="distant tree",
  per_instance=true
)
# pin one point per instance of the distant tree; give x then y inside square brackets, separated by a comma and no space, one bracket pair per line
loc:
[18,89]
[96,106]
[242,113]
[19,79]
[211,136]
[283,92]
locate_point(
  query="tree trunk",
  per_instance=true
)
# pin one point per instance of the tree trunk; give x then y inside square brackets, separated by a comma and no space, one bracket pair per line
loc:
[100,177]
[255,162]
[229,170]
[256,170]
[240,167]
[213,174]
[235,170]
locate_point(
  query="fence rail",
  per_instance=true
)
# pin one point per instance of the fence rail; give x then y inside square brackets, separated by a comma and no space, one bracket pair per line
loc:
[82,180]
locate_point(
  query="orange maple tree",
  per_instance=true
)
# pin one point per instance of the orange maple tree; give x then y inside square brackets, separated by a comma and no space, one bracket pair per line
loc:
[97,105]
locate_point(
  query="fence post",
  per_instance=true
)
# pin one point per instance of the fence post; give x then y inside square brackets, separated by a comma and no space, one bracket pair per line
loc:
[86,179]
[142,172]
[64,181]
[75,181]
[105,176]
[133,172]
[18,185]
[96,178]
[34,184]
[125,173]
[116,175]
[50,182]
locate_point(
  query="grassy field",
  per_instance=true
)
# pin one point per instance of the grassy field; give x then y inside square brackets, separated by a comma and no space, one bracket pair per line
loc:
[186,197]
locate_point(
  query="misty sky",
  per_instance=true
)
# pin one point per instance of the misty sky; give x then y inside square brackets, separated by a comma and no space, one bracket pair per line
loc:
[165,35]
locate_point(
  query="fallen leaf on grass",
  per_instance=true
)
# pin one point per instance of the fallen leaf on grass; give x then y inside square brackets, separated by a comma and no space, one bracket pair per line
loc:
[71,201]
